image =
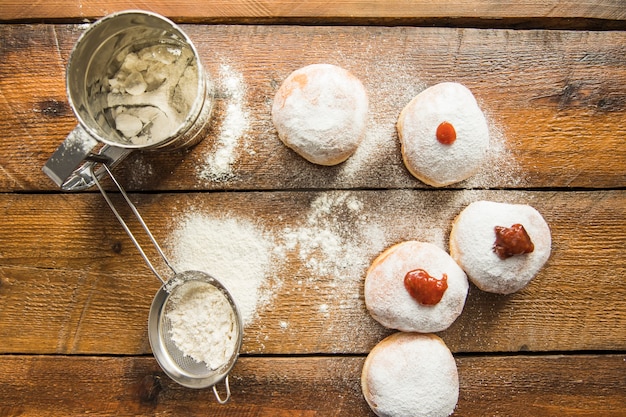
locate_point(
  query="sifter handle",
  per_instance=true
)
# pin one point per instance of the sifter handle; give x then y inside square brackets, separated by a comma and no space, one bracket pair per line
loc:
[70,166]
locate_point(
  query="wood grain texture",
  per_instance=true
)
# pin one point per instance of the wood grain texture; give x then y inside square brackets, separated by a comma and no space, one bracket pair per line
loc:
[576,385]
[72,282]
[323,11]
[75,294]
[555,102]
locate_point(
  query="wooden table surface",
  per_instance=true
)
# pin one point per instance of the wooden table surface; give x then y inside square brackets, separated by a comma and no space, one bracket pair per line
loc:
[296,239]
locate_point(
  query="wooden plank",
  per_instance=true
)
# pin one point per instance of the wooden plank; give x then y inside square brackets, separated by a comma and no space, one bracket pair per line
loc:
[343,11]
[555,101]
[71,281]
[576,385]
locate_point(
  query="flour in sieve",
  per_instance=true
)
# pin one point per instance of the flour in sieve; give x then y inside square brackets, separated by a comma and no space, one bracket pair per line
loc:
[202,323]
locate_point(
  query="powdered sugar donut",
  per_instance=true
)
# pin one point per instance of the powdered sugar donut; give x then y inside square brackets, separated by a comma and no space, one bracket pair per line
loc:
[320,111]
[404,288]
[500,246]
[444,135]
[410,375]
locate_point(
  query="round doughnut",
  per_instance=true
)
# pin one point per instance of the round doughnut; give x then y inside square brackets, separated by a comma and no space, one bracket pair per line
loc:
[410,375]
[475,245]
[389,300]
[444,135]
[320,111]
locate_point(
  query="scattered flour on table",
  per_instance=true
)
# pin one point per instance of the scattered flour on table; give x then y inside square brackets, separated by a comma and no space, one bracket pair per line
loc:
[390,88]
[334,242]
[234,251]
[218,166]
[202,323]
[500,168]
[330,244]
[334,239]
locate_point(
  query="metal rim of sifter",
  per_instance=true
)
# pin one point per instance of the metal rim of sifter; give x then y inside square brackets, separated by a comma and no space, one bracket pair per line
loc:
[179,367]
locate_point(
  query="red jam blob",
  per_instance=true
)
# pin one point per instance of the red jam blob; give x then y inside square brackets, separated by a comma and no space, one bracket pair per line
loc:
[512,241]
[425,289]
[446,135]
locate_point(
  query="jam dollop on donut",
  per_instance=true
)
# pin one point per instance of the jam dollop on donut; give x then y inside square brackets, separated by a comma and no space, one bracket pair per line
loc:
[511,241]
[415,286]
[425,289]
[446,135]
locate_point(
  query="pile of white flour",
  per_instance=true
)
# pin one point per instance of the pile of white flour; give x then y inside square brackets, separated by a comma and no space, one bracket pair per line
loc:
[203,324]
[234,251]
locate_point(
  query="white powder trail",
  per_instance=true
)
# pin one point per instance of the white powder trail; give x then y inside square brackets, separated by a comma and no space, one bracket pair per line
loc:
[390,87]
[218,166]
[500,166]
[335,239]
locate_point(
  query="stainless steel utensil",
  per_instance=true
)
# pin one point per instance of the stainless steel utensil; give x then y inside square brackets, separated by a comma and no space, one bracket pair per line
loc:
[136,82]
[174,88]
[181,368]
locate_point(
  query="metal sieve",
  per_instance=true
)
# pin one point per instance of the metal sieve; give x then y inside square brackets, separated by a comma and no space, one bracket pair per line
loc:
[180,367]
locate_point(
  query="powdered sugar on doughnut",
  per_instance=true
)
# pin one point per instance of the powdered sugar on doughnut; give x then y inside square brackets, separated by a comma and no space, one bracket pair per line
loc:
[472,239]
[410,374]
[320,111]
[390,303]
[426,158]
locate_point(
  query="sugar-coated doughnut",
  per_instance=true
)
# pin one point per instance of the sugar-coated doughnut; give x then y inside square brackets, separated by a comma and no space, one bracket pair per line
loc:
[320,111]
[475,245]
[410,375]
[392,303]
[444,134]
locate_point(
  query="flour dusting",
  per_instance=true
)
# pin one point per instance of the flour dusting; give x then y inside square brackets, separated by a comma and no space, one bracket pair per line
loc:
[389,87]
[329,244]
[500,167]
[234,251]
[324,245]
[218,166]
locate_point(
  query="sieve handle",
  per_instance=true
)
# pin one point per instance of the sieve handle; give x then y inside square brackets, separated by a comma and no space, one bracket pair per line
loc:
[217,396]
[125,226]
